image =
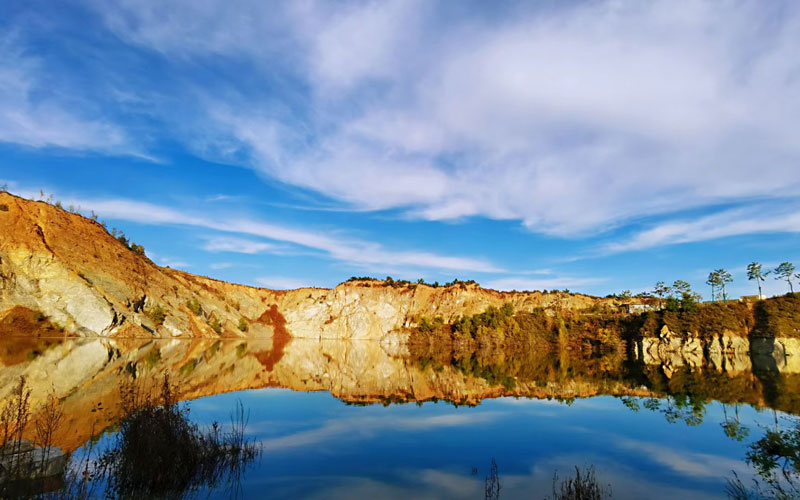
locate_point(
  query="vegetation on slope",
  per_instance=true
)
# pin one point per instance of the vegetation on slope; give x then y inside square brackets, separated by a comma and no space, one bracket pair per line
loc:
[778,314]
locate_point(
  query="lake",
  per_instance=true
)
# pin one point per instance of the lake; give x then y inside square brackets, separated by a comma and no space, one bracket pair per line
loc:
[339,419]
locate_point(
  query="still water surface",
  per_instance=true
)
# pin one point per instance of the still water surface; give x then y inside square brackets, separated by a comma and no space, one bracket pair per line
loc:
[317,447]
[340,419]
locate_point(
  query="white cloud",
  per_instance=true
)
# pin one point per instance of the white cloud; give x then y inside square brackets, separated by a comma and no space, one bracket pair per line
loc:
[220,265]
[368,427]
[727,223]
[33,115]
[356,252]
[682,461]
[572,119]
[237,245]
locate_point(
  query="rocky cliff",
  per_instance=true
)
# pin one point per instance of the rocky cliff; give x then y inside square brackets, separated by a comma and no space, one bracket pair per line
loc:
[68,269]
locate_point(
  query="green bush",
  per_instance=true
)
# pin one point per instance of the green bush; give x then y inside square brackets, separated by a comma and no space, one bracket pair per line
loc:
[215,324]
[242,324]
[361,278]
[157,315]
[194,306]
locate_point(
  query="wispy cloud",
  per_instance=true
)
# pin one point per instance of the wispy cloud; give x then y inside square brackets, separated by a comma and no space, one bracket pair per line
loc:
[681,461]
[220,265]
[572,118]
[366,427]
[31,113]
[356,252]
[222,197]
[237,245]
[719,225]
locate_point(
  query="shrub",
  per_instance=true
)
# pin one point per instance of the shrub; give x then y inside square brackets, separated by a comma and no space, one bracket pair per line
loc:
[242,324]
[38,316]
[582,487]
[3,207]
[215,325]
[672,304]
[157,315]
[194,306]
[159,453]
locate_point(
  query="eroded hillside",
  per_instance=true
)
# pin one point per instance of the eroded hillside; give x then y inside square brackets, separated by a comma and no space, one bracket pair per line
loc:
[67,269]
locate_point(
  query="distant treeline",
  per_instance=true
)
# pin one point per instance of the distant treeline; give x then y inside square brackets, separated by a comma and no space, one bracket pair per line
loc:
[389,281]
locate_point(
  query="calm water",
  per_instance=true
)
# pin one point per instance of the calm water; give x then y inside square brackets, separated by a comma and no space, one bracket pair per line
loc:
[356,420]
[317,447]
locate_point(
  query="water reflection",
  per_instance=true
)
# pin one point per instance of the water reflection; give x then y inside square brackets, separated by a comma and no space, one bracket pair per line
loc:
[689,408]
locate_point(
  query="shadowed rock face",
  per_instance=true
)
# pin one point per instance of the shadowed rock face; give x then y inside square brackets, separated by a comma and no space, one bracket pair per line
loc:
[82,279]
[86,374]
[724,353]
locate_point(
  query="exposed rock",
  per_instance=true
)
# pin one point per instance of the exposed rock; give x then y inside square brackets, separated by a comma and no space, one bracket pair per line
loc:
[725,353]
[781,354]
[84,280]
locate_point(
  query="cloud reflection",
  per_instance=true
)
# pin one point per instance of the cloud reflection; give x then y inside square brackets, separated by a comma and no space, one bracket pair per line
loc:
[366,427]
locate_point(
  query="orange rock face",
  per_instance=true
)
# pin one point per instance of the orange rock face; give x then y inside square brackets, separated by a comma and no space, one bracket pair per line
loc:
[86,282]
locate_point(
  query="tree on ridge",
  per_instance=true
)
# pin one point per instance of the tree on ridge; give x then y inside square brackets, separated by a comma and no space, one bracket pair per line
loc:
[661,290]
[724,277]
[713,281]
[754,273]
[681,288]
[785,271]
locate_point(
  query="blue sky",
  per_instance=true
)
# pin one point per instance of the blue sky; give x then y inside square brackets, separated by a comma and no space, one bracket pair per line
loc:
[596,146]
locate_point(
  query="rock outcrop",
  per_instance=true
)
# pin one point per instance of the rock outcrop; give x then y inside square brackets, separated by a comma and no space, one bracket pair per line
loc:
[724,352]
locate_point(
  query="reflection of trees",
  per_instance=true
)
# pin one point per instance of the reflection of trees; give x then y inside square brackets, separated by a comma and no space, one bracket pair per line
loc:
[511,364]
[776,458]
[680,407]
[733,428]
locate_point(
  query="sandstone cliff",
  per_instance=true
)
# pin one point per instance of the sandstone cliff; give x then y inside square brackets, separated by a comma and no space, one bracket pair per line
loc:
[79,277]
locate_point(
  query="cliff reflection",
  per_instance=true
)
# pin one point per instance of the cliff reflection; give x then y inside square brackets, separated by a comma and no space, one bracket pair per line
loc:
[85,373]
[155,452]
